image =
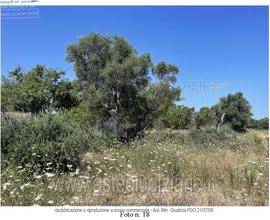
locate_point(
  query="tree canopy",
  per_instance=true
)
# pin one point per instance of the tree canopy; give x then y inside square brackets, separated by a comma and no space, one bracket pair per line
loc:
[37,90]
[233,109]
[237,110]
[115,82]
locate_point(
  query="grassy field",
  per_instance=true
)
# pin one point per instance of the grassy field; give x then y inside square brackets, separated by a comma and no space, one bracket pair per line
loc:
[164,168]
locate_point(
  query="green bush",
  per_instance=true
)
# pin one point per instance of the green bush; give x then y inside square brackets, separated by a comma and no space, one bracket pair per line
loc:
[178,117]
[204,118]
[46,142]
[263,123]
[225,137]
[81,115]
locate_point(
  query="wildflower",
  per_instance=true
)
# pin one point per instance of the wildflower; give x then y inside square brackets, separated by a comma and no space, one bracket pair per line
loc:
[49,163]
[49,175]
[85,177]
[99,170]
[37,176]
[38,197]
[260,174]
[6,184]
[165,190]
[25,185]
[69,166]
[75,197]
[129,166]
[50,202]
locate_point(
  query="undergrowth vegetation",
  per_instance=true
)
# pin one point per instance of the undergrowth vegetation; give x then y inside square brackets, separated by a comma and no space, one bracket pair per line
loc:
[49,160]
[44,140]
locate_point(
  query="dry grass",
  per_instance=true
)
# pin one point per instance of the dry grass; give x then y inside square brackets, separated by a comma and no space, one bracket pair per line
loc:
[154,171]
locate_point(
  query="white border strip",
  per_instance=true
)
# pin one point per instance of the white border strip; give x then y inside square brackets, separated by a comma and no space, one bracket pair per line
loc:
[132,2]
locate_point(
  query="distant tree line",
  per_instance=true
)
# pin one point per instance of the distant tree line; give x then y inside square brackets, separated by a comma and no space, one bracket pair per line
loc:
[114,92]
[258,124]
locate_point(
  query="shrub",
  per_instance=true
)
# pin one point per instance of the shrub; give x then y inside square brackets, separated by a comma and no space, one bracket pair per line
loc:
[48,142]
[178,117]
[81,115]
[263,123]
[253,123]
[204,118]
[258,124]
[211,138]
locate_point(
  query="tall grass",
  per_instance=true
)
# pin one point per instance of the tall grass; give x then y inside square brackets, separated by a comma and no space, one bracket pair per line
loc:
[163,168]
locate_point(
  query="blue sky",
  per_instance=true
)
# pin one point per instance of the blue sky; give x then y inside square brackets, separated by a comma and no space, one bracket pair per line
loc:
[223,46]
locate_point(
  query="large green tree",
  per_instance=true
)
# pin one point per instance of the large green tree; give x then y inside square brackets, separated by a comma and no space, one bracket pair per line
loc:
[237,111]
[113,80]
